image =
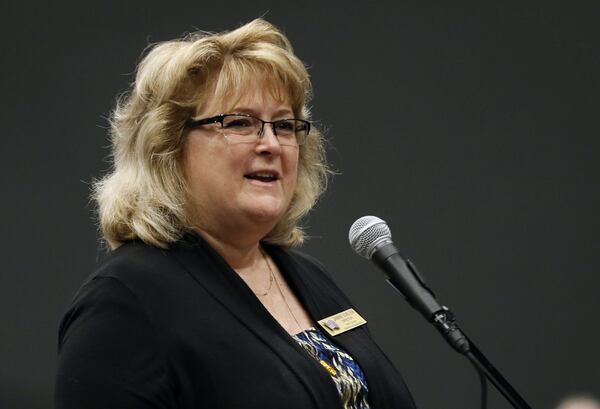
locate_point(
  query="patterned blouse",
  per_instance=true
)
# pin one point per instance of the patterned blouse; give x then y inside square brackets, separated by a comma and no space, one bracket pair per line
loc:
[345,372]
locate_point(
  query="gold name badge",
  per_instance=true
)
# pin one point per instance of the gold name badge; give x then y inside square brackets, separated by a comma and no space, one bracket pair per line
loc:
[342,322]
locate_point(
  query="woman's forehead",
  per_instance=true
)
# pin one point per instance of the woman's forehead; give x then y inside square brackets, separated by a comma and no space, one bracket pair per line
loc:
[255,94]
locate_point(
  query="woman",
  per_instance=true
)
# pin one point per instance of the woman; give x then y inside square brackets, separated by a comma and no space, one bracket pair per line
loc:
[201,302]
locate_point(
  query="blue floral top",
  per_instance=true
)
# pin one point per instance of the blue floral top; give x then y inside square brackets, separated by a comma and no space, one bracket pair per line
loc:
[345,372]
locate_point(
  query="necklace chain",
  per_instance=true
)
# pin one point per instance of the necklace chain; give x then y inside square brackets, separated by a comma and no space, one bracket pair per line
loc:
[282,294]
[271,277]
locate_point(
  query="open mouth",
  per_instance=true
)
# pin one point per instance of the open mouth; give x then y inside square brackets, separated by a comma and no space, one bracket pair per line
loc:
[262,176]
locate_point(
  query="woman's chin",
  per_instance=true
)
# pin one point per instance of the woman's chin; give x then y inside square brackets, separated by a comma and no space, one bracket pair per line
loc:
[266,216]
[265,211]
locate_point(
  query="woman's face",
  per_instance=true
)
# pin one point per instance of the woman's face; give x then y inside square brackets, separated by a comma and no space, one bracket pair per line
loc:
[228,195]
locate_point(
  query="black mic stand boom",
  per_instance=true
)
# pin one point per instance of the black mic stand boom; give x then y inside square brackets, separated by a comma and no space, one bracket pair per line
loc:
[404,277]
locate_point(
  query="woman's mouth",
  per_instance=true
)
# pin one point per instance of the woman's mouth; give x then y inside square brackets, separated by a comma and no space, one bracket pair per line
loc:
[262,176]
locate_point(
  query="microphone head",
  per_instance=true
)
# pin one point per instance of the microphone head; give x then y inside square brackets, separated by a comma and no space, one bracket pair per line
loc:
[367,234]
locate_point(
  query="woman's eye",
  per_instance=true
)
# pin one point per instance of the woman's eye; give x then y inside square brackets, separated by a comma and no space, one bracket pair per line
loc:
[285,126]
[238,123]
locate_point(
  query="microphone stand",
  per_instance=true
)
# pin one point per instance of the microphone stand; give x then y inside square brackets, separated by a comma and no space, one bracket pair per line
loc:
[404,277]
[480,361]
[444,321]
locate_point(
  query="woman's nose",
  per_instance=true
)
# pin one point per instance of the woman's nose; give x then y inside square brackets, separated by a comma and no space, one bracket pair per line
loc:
[267,140]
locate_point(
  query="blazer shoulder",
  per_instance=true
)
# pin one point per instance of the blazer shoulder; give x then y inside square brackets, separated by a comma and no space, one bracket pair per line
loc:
[145,270]
[145,276]
[132,259]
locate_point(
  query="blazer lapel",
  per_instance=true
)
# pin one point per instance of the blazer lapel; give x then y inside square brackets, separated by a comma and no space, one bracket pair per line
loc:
[211,272]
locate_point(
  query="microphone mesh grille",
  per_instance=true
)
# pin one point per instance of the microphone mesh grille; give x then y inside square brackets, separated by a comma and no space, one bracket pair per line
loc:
[367,234]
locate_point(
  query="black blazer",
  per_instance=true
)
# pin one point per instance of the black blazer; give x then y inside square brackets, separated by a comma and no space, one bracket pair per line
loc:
[178,328]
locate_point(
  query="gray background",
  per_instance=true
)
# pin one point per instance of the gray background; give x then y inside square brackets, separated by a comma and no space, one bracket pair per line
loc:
[471,128]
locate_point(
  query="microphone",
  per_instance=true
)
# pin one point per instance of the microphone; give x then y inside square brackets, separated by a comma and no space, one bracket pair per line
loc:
[371,238]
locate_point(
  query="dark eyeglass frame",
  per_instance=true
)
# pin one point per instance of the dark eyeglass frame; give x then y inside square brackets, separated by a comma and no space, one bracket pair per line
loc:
[218,119]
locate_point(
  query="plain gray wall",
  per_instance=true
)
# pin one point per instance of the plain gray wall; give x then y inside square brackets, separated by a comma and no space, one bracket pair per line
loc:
[471,128]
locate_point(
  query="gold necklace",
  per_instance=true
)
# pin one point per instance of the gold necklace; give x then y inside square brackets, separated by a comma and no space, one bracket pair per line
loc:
[271,277]
[282,295]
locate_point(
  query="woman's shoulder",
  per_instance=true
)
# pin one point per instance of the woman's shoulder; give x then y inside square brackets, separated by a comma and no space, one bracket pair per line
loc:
[133,277]
[139,269]
[131,256]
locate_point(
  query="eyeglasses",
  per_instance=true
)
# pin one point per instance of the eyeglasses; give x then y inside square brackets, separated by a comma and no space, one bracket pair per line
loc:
[242,128]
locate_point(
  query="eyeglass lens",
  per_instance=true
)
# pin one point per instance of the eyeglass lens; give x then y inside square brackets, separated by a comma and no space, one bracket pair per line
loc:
[247,129]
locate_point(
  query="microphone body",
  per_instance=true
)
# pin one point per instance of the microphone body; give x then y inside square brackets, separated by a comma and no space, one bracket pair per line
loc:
[371,238]
[403,276]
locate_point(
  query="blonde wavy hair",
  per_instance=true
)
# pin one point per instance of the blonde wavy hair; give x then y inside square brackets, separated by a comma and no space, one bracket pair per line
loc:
[144,195]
